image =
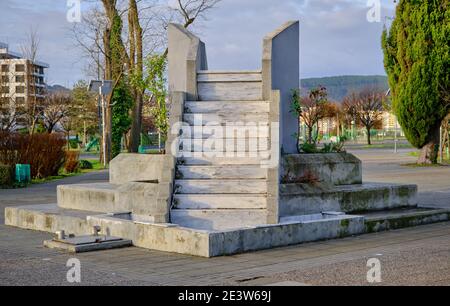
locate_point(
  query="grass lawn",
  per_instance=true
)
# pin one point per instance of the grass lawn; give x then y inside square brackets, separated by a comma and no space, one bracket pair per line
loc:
[96,166]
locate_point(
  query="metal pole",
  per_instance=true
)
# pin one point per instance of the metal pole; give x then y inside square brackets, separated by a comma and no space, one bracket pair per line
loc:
[395,136]
[103,130]
[441,147]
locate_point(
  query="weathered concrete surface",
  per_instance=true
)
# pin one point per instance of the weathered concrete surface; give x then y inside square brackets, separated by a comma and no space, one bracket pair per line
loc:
[48,218]
[218,219]
[176,239]
[99,197]
[127,168]
[299,199]
[384,221]
[331,168]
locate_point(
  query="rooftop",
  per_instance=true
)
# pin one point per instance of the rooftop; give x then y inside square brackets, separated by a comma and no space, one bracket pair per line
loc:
[5,53]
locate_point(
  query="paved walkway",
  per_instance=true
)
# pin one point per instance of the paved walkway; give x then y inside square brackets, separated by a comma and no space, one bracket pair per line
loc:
[413,256]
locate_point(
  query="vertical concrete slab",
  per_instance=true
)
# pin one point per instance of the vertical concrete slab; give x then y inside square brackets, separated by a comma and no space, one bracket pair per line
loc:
[280,67]
[187,55]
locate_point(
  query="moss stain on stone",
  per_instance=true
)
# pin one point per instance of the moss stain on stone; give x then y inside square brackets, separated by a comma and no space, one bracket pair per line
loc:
[343,229]
[48,222]
[29,219]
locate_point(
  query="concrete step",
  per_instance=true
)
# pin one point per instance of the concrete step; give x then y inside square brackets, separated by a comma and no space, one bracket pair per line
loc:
[219,201]
[228,76]
[221,146]
[210,219]
[301,199]
[221,172]
[230,91]
[262,143]
[216,161]
[227,106]
[98,197]
[221,186]
[230,131]
[227,118]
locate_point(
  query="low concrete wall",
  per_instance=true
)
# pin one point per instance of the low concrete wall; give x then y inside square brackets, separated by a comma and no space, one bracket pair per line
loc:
[127,168]
[329,168]
[98,197]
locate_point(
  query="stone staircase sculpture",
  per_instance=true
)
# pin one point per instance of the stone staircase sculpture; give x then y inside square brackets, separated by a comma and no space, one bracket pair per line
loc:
[230,180]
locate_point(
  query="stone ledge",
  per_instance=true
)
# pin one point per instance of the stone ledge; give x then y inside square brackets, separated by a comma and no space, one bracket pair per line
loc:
[329,168]
[298,199]
[398,219]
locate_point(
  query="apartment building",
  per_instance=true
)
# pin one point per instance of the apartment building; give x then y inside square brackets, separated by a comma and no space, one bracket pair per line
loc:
[21,79]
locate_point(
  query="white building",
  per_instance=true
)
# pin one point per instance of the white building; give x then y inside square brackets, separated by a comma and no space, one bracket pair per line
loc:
[21,79]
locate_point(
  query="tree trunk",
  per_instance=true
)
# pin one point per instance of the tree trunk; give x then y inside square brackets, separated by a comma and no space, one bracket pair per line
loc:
[137,66]
[369,141]
[429,152]
[310,129]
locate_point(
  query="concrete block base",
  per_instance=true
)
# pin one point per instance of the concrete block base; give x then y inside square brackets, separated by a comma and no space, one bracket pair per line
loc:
[177,239]
[71,245]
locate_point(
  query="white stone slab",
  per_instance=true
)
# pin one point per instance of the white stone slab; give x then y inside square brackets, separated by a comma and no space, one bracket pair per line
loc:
[227,106]
[230,91]
[222,172]
[249,186]
[220,201]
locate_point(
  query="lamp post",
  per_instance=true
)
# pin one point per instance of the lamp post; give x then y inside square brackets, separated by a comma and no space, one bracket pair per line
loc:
[103,88]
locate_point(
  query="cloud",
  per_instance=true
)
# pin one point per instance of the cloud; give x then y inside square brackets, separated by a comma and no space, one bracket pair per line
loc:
[335,36]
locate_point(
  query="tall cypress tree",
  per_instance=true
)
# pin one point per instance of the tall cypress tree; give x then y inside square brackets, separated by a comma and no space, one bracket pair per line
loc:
[417,62]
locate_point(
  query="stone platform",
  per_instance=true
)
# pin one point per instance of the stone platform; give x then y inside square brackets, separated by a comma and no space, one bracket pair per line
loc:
[205,243]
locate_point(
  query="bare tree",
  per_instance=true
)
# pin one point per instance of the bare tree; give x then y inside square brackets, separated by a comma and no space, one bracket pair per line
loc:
[56,107]
[145,24]
[33,109]
[314,109]
[366,107]
[190,10]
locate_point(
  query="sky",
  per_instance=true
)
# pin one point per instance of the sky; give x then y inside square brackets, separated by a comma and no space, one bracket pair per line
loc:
[335,36]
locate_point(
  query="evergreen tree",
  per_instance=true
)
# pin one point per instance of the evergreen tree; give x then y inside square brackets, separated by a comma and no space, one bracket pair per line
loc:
[417,61]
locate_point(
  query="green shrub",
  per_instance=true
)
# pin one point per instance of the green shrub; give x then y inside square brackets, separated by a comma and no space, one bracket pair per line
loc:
[6,175]
[85,164]
[74,143]
[309,148]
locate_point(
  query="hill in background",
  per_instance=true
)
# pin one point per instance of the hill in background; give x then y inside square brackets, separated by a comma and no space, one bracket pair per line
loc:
[57,88]
[340,86]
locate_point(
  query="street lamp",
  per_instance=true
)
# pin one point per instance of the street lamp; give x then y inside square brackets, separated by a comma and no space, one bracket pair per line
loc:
[102,88]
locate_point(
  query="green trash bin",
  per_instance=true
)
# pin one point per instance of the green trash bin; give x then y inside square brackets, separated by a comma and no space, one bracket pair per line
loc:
[142,150]
[23,173]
